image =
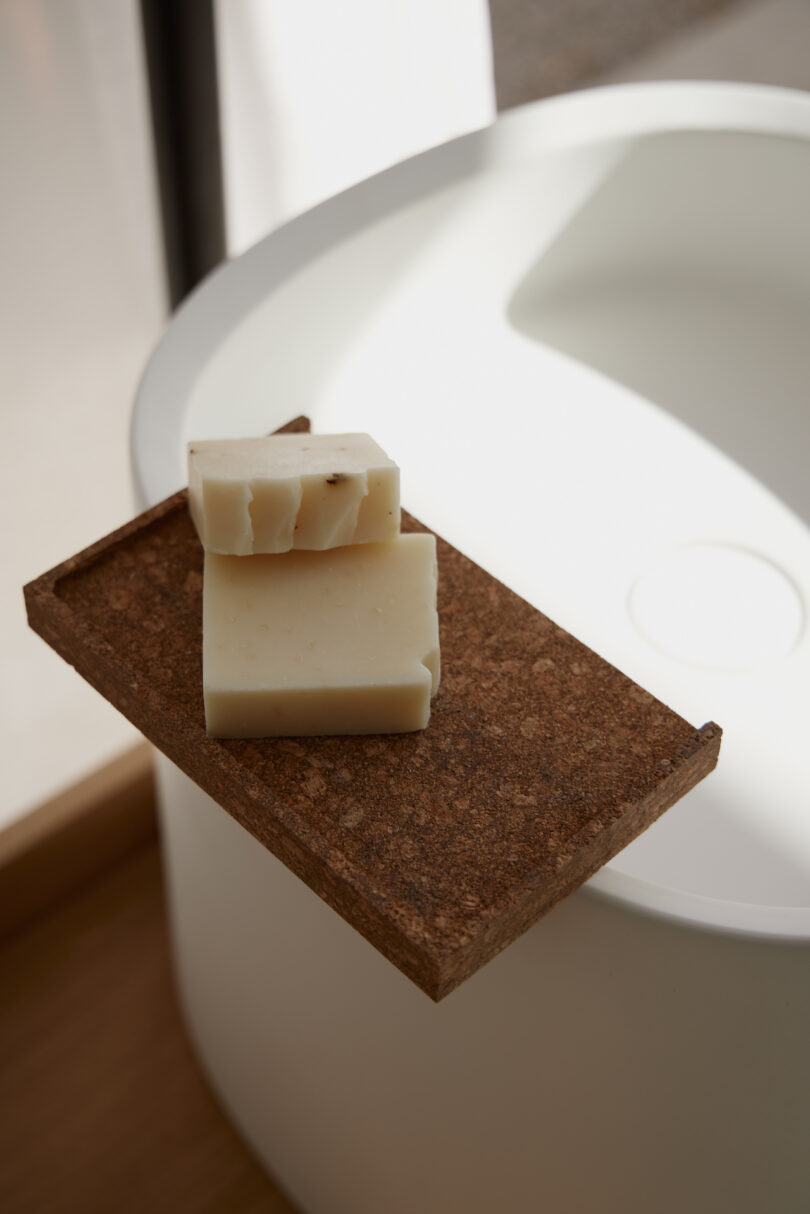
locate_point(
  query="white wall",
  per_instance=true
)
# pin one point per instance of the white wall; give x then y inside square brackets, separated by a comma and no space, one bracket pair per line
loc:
[81,305]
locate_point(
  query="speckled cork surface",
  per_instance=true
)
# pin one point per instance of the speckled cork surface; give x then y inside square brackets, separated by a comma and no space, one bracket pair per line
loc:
[541,760]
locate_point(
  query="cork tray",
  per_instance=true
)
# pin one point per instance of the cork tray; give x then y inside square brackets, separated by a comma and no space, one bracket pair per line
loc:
[541,760]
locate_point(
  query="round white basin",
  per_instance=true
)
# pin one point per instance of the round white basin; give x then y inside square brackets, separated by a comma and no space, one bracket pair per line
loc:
[602,302]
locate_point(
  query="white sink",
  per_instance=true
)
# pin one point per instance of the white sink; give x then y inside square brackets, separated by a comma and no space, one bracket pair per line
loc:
[585,330]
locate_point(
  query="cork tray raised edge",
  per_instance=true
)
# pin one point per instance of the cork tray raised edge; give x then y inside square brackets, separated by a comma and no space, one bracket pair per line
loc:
[541,760]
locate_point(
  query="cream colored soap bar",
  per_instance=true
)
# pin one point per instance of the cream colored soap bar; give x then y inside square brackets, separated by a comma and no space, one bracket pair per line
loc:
[337,642]
[311,491]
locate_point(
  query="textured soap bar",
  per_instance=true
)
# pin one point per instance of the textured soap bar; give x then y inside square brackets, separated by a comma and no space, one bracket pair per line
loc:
[308,491]
[308,643]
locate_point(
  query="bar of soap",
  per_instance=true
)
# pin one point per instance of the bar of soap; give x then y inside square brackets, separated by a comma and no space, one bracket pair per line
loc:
[310,643]
[286,491]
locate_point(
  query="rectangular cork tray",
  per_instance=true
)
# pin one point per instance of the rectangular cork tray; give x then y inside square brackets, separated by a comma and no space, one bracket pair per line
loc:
[541,760]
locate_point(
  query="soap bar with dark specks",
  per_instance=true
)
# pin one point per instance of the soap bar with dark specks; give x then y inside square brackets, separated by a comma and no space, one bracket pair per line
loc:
[293,490]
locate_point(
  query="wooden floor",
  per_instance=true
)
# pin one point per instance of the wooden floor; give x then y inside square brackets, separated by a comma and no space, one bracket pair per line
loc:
[102,1105]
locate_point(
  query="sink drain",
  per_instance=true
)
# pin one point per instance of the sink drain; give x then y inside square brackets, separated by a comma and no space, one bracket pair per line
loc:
[719,606]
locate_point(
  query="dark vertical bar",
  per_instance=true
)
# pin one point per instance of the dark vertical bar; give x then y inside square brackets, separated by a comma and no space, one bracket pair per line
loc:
[180,46]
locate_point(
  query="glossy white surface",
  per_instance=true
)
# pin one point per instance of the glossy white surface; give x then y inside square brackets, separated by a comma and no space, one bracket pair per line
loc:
[451,306]
[611,1058]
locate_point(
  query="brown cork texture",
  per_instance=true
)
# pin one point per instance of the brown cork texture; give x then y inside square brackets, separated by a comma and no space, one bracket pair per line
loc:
[540,762]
